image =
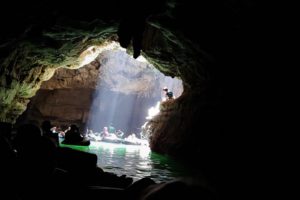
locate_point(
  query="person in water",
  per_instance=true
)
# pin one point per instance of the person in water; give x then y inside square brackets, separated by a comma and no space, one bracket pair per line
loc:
[49,132]
[73,136]
[111,129]
[105,132]
[120,133]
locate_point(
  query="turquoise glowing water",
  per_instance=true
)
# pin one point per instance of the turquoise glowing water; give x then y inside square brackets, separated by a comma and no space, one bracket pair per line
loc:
[134,161]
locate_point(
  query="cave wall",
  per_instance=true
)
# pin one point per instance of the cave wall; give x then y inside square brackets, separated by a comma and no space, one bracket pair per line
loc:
[39,49]
[64,99]
[187,125]
[59,107]
[93,95]
[211,45]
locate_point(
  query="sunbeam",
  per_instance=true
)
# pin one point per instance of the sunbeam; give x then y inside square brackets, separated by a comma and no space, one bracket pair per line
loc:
[125,91]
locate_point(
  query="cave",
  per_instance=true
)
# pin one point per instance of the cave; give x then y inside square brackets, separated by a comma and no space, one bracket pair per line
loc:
[112,89]
[213,47]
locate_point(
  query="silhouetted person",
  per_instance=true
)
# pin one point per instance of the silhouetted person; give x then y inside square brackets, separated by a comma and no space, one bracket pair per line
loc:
[47,132]
[73,136]
[35,158]
[7,154]
[7,169]
[27,136]
[6,151]
[5,133]
[32,147]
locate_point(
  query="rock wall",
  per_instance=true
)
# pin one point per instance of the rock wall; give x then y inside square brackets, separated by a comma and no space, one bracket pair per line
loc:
[66,98]
[213,46]
[33,57]
[59,107]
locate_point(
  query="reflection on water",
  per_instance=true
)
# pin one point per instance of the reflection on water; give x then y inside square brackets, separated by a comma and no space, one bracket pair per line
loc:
[134,161]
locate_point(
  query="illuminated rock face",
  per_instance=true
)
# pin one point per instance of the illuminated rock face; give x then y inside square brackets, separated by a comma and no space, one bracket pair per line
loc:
[33,61]
[76,96]
[64,99]
[84,78]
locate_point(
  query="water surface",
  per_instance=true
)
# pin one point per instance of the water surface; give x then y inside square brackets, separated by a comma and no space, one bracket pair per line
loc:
[134,161]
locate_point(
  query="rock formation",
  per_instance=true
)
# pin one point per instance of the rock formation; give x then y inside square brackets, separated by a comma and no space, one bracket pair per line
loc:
[209,45]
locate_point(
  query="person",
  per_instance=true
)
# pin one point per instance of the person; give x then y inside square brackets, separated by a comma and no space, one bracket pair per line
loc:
[54,130]
[120,133]
[111,129]
[36,160]
[73,136]
[168,94]
[62,133]
[132,137]
[49,132]
[105,132]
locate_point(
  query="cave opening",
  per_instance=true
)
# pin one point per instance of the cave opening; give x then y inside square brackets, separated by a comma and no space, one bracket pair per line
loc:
[109,88]
[219,50]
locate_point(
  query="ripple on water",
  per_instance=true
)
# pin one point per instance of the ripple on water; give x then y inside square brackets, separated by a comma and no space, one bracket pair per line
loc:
[134,161]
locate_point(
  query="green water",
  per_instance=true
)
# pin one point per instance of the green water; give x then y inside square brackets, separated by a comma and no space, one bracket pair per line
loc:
[134,161]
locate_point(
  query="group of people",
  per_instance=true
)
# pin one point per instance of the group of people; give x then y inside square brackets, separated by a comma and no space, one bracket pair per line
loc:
[33,167]
[110,134]
[132,139]
[71,135]
[109,131]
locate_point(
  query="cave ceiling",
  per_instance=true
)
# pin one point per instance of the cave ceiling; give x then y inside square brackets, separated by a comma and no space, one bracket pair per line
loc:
[180,39]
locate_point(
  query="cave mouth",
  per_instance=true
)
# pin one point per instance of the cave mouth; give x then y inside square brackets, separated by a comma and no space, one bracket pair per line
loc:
[109,88]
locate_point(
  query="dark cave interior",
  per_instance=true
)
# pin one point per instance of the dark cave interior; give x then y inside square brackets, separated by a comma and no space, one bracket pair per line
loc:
[214,47]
